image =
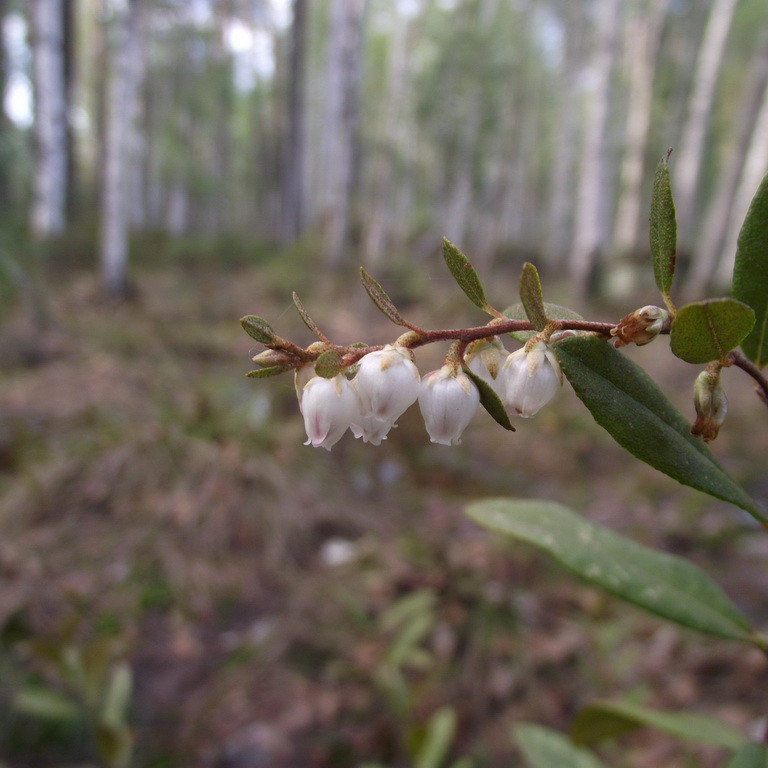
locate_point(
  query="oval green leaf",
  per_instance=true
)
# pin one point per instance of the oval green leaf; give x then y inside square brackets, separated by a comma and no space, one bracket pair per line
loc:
[546,748]
[626,402]
[258,328]
[328,364]
[663,227]
[552,312]
[750,273]
[753,755]
[437,739]
[265,373]
[601,720]
[709,330]
[663,584]
[464,274]
[532,297]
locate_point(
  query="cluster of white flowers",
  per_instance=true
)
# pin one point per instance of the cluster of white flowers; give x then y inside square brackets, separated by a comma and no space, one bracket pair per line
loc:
[387,382]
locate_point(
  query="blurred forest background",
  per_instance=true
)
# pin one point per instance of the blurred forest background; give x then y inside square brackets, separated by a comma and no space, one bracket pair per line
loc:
[182,583]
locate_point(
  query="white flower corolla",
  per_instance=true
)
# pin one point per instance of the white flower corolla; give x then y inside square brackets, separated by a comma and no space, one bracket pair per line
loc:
[448,400]
[485,358]
[531,379]
[369,429]
[301,377]
[328,407]
[387,383]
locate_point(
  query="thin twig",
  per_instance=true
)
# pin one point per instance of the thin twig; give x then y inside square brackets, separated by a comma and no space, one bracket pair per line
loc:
[738,359]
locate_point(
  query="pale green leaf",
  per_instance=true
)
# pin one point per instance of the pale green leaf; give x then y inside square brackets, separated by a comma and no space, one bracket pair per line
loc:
[258,328]
[437,739]
[546,748]
[753,755]
[663,584]
[629,405]
[708,330]
[265,373]
[45,703]
[380,298]
[531,296]
[328,364]
[750,273]
[605,719]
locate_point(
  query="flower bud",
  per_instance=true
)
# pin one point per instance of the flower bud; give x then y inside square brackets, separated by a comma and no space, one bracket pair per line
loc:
[485,358]
[448,400]
[711,405]
[531,379]
[387,383]
[328,407]
[272,357]
[641,326]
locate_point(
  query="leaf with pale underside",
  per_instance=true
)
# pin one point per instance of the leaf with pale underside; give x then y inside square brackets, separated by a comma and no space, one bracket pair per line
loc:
[547,748]
[328,364]
[663,584]
[258,328]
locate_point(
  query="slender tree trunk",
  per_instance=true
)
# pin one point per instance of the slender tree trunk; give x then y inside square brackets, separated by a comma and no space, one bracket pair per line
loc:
[589,227]
[755,166]
[48,215]
[6,184]
[345,53]
[642,34]
[720,210]
[694,134]
[119,143]
[294,184]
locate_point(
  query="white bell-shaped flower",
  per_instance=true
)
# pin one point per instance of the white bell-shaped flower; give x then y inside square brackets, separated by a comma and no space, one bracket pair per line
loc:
[370,430]
[448,400]
[485,358]
[531,379]
[387,383]
[328,407]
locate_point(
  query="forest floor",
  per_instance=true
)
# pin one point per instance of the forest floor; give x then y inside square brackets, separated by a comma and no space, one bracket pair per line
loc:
[281,606]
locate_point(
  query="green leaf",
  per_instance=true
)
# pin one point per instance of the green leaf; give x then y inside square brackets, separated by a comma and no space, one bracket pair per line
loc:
[118,696]
[750,273]
[264,373]
[532,297]
[663,227]
[709,330]
[464,274]
[552,312]
[753,755]
[45,703]
[437,739]
[490,400]
[626,402]
[380,298]
[663,584]
[308,321]
[605,719]
[546,748]
[328,364]
[258,328]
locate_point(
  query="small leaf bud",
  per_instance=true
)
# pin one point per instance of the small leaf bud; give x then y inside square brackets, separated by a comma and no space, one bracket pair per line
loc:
[641,326]
[273,357]
[485,358]
[711,405]
[448,400]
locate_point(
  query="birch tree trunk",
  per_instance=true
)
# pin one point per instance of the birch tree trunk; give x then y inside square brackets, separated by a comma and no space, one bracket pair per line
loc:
[590,223]
[642,35]
[119,143]
[6,185]
[694,133]
[342,111]
[294,184]
[48,213]
[717,219]
[755,167]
